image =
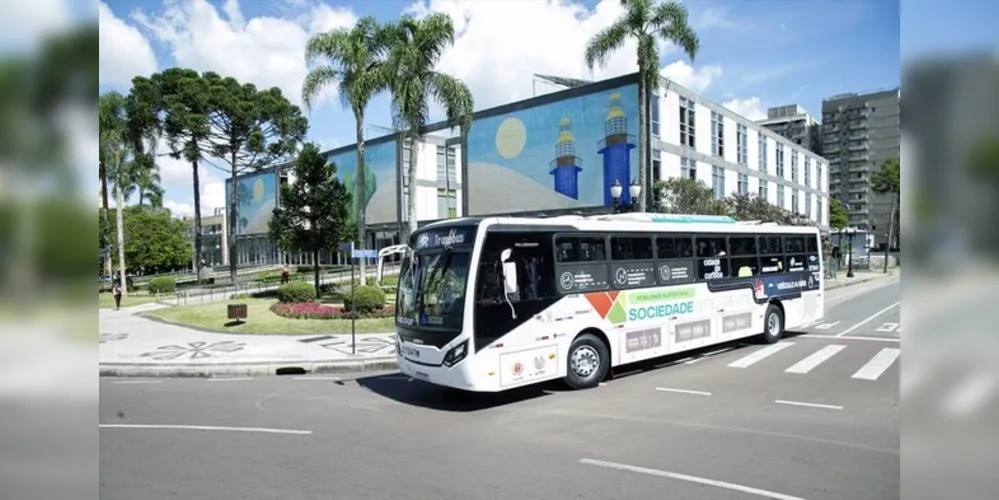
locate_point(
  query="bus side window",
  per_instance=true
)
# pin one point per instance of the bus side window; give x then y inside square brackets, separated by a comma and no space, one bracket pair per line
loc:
[674,248]
[581,249]
[713,261]
[745,263]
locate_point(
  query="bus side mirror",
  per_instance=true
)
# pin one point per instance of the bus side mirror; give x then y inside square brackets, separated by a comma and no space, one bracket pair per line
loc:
[509,272]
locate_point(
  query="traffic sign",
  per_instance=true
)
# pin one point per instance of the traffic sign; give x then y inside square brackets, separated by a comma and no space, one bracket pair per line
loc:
[362,254]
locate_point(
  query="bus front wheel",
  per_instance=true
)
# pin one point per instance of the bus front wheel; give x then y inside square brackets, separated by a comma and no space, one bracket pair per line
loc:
[773,324]
[589,361]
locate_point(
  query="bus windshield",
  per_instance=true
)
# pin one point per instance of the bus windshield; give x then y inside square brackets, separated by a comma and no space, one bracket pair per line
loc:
[432,290]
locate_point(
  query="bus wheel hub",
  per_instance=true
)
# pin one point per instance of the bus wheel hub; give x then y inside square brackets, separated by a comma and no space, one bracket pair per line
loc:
[584,361]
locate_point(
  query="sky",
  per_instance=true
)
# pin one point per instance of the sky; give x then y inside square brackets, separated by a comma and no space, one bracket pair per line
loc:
[754,53]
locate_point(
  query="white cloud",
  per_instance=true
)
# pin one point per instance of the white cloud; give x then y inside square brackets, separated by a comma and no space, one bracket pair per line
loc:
[124,52]
[493,57]
[751,107]
[690,77]
[265,51]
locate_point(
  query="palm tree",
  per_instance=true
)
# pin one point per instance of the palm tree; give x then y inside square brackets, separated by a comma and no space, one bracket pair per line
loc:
[416,49]
[646,23]
[354,65]
[114,153]
[148,184]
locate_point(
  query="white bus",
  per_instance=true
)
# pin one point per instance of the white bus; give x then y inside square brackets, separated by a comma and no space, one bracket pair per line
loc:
[489,304]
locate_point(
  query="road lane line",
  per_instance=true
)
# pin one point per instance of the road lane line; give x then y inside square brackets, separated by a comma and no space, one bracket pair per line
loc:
[205,428]
[760,355]
[817,358]
[229,379]
[809,405]
[683,391]
[878,364]
[970,396]
[691,479]
[126,382]
[869,319]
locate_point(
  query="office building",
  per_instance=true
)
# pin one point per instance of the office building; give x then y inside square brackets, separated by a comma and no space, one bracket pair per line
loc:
[214,241]
[553,154]
[859,132]
[793,122]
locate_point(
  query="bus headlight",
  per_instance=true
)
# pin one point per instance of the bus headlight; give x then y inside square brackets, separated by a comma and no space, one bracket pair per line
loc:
[456,354]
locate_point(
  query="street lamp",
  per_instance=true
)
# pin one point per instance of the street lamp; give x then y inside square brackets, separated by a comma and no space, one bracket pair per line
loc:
[850,231]
[635,190]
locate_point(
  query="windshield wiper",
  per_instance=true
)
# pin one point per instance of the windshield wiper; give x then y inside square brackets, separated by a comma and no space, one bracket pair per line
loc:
[439,268]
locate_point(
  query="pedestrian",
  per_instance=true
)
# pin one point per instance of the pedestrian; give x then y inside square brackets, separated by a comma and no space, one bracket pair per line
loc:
[117,295]
[284,274]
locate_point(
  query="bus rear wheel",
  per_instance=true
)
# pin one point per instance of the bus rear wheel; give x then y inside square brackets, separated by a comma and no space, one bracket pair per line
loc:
[588,363]
[773,324]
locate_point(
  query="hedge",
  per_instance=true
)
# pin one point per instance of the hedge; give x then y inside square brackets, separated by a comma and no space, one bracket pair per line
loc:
[162,285]
[314,310]
[296,292]
[366,299]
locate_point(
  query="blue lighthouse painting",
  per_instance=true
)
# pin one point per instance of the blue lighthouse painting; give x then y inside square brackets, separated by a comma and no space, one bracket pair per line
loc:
[566,166]
[616,148]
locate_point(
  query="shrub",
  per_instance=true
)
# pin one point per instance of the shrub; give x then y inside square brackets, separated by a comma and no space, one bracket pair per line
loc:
[162,285]
[366,299]
[314,310]
[296,292]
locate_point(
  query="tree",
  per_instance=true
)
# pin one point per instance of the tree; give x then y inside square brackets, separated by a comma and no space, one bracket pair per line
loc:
[314,211]
[683,195]
[838,218]
[250,129]
[155,241]
[176,101]
[355,57]
[646,23]
[147,183]
[114,149]
[417,45]
[888,181]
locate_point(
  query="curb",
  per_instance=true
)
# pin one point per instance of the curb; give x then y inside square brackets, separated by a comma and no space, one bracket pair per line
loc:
[259,369]
[862,280]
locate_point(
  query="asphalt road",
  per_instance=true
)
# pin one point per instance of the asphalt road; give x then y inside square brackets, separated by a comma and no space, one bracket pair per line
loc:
[728,423]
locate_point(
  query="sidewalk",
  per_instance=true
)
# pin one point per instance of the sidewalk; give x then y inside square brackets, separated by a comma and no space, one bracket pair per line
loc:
[859,277]
[132,346]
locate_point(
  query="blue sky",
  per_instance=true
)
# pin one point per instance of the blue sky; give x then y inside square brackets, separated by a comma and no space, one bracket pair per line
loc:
[754,53]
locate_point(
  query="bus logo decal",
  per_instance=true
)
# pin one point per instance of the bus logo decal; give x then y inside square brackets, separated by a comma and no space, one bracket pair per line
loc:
[518,368]
[539,362]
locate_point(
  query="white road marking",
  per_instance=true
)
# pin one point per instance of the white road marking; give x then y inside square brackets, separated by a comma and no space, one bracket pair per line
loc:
[125,382]
[826,326]
[868,320]
[878,364]
[838,337]
[229,379]
[810,405]
[692,479]
[821,356]
[683,391]
[316,378]
[970,396]
[708,355]
[205,428]
[760,355]
[887,327]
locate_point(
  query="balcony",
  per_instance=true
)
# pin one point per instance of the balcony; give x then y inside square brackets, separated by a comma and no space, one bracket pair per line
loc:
[860,147]
[859,169]
[858,126]
[859,158]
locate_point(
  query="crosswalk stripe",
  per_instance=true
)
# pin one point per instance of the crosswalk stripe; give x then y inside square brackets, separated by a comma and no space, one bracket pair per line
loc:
[760,355]
[878,364]
[808,364]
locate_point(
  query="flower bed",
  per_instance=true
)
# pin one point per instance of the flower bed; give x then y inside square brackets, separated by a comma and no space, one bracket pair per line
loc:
[315,310]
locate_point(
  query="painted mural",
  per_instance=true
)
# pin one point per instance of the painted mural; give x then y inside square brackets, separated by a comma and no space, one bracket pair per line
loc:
[565,154]
[380,199]
[256,195]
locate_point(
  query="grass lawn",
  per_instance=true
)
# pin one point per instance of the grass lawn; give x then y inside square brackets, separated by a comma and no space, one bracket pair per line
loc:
[261,320]
[106,300]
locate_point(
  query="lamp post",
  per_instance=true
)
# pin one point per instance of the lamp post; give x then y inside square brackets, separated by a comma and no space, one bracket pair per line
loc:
[635,190]
[850,231]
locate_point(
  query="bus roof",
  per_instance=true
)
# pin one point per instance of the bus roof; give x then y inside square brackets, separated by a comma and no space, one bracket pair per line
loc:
[633,222]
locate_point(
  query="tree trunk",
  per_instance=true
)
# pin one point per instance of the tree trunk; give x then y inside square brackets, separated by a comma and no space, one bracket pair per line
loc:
[234,220]
[411,199]
[315,269]
[360,193]
[105,206]
[642,137]
[120,219]
[197,222]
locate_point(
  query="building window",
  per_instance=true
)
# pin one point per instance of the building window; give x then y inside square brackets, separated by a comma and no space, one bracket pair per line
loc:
[688,168]
[654,113]
[743,184]
[818,175]
[441,164]
[452,175]
[741,150]
[808,172]
[686,122]
[780,160]
[794,167]
[764,189]
[780,195]
[718,181]
[656,165]
[763,153]
[808,205]
[795,208]
[821,215]
[717,135]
